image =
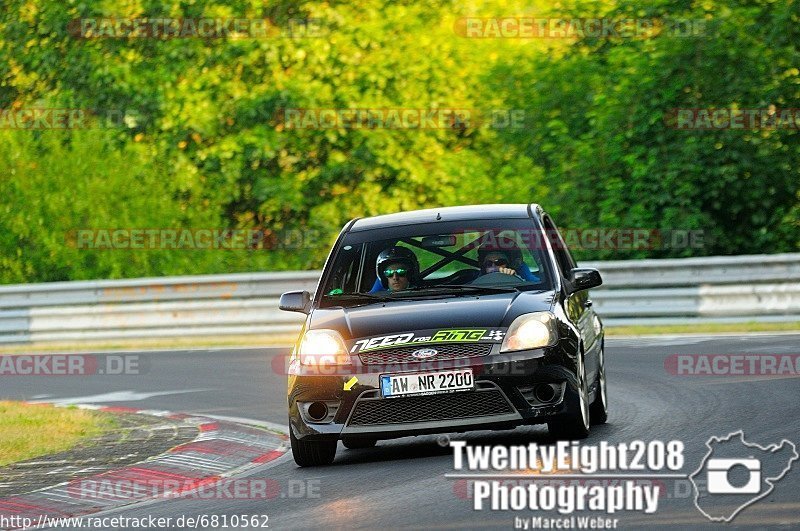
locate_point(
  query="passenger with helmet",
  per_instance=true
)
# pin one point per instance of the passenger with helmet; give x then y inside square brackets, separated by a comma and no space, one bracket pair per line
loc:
[504,256]
[397,269]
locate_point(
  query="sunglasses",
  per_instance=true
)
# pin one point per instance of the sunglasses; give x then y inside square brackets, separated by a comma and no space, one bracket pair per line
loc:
[496,262]
[398,272]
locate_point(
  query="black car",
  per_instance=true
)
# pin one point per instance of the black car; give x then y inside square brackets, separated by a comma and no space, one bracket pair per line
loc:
[445,320]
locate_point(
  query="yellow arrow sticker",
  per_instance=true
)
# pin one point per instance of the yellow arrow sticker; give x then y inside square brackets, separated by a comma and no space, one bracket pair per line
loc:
[350,383]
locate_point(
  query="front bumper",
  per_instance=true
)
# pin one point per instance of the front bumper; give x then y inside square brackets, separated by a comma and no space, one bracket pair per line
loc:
[501,399]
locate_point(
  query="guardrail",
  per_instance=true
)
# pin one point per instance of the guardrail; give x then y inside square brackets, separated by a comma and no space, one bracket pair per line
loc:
[713,289]
[205,305]
[693,290]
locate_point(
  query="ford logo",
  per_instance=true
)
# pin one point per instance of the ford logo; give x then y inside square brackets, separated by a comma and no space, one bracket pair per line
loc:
[424,353]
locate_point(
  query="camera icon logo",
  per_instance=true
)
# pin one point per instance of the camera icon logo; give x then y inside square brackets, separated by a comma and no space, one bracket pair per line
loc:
[736,473]
[718,476]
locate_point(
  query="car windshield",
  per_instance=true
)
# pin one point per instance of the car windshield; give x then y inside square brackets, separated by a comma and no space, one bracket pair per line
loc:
[443,259]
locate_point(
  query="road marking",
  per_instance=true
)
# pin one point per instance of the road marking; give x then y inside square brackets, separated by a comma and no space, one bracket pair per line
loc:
[676,338]
[118,396]
[281,428]
[272,450]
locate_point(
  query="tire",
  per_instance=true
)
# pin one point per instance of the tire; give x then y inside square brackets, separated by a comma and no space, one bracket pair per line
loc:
[358,444]
[598,411]
[312,453]
[576,426]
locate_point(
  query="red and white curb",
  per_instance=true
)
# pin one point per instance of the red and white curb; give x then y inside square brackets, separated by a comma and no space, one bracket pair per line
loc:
[222,449]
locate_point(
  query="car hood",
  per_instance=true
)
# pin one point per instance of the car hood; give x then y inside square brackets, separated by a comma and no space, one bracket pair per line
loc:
[495,310]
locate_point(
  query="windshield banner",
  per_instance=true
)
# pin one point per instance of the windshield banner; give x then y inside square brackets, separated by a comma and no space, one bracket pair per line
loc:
[427,337]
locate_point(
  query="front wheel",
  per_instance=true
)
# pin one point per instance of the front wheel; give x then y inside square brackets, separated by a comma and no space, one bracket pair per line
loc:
[312,453]
[599,408]
[576,426]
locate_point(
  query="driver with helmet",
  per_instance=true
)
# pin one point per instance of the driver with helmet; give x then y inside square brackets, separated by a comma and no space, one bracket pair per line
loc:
[504,256]
[397,269]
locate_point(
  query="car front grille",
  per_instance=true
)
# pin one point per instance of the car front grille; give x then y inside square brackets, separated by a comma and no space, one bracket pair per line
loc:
[447,351]
[451,406]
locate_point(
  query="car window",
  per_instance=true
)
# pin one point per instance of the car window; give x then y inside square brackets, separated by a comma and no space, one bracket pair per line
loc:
[428,258]
[344,273]
[563,257]
[435,259]
[528,258]
[488,254]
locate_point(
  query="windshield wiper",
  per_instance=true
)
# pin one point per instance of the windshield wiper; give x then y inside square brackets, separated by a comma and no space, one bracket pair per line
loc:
[370,298]
[418,293]
[350,296]
[462,287]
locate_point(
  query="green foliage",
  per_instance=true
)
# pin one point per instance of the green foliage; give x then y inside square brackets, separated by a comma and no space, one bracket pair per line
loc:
[203,142]
[608,145]
[58,184]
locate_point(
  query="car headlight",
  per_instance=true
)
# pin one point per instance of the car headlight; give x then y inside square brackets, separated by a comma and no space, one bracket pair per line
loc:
[323,347]
[532,330]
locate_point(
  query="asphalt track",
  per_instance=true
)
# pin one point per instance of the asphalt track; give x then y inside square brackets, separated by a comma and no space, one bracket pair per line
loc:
[402,483]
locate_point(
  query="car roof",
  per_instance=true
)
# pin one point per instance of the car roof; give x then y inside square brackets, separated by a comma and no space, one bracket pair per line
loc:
[458,213]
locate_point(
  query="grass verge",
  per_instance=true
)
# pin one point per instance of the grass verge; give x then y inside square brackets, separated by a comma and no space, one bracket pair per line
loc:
[155,343]
[707,328]
[32,430]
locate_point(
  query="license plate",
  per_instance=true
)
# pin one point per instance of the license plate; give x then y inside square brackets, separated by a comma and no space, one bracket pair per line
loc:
[426,383]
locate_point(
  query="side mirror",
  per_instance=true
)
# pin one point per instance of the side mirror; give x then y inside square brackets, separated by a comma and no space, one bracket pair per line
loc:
[295,301]
[584,278]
